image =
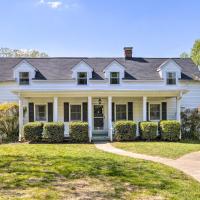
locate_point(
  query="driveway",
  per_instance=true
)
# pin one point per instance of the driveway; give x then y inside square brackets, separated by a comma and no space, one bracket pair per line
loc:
[189,163]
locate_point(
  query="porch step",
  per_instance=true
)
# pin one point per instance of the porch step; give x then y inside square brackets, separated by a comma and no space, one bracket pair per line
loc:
[100,138]
[100,134]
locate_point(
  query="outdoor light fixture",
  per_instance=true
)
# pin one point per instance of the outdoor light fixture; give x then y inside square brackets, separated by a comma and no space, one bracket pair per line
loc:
[99,101]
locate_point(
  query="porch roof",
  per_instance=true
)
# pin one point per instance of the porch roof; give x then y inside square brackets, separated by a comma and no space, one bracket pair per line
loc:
[102,93]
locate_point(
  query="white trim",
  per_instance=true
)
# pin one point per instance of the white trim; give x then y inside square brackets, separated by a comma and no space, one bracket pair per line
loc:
[163,65]
[24,62]
[111,63]
[79,63]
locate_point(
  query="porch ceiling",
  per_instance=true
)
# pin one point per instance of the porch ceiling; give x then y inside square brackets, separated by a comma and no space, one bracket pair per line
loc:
[101,93]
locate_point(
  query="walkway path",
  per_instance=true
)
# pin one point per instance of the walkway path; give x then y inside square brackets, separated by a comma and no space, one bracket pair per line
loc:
[190,163]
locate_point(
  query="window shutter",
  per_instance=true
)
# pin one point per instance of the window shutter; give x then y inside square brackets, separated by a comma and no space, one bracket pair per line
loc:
[164,110]
[66,112]
[113,111]
[147,111]
[130,110]
[50,112]
[85,111]
[31,112]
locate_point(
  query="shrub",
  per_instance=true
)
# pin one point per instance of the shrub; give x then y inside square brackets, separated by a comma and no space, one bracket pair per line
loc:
[190,121]
[125,130]
[148,130]
[9,125]
[78,131]
[170,130]
[54,131]
[33,131]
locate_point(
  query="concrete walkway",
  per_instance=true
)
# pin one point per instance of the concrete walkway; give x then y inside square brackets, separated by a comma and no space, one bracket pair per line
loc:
[189,164]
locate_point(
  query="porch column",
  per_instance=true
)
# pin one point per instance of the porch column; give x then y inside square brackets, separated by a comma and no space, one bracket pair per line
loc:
[110,130]
[144,108]
[90,118]
[178,109]
[55,109]
[20,118]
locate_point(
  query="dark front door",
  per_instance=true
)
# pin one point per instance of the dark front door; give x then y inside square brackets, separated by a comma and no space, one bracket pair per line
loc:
[98,117]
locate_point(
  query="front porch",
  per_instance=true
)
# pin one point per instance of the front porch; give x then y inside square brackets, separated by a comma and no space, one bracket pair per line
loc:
[99,109]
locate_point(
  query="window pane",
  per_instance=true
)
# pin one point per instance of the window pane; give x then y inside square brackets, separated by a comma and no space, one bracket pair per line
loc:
[114,78]
[40,112]
[24,78]
[120,112]
[82,78]
[171,78]
[154,111]
[75,112]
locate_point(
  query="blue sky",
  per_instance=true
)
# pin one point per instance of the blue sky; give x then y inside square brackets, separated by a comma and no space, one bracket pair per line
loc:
[155,28]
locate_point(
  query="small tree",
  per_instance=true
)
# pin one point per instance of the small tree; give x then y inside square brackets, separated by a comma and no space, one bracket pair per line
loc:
[9,125]
[195,54]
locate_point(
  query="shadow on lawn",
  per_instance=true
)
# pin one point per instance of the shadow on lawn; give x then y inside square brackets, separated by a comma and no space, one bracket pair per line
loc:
[21,172]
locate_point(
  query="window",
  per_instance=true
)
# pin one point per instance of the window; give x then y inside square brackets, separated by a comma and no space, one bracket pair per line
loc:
[114,77]
[24,78]
[82,78]
[40,112]
[120,112]
[154,111]
[75,112]
[171,78]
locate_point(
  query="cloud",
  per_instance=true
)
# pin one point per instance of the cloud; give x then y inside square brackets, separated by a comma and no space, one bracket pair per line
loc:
[54,4]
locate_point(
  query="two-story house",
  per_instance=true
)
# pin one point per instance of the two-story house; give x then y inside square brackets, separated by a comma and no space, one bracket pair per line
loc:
[99,90]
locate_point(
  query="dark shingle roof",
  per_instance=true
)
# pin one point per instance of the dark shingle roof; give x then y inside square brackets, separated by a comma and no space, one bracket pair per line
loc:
[60,68]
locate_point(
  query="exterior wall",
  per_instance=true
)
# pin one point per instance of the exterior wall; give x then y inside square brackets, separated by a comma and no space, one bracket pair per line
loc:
[6,94]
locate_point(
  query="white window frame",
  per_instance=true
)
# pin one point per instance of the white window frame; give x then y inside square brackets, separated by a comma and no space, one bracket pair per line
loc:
[150,111]
[20,78]
[175,77]
[116,111]
[117,77]
[75,104]
[39,104]
[77,78]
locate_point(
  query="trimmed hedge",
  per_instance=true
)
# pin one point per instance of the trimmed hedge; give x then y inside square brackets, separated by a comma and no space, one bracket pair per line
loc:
[54,132]
[170,130]
[148,130]
[33,131]
[78,131]
[125,130]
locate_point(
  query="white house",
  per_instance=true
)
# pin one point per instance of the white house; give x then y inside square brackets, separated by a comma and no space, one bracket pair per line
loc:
[99,90]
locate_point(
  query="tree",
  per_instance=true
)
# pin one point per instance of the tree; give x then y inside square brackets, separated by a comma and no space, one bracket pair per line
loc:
[195,53]
[184,55]
[31,53]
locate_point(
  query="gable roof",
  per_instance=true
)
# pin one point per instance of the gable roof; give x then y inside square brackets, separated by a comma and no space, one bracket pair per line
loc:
[136,68]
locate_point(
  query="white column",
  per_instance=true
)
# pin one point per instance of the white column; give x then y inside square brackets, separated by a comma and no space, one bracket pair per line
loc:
[178,109]
[144,108]
[20,118]
[90,118]
[55,109]
[110,129]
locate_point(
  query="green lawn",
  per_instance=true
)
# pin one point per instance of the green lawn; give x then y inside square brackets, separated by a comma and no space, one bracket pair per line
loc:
[163,149]
[80,171]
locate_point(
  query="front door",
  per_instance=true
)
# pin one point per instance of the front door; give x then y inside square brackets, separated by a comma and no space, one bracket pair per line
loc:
[98,117]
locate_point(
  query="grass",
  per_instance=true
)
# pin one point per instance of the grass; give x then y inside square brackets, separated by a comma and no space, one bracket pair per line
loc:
[80,171]
[163,149]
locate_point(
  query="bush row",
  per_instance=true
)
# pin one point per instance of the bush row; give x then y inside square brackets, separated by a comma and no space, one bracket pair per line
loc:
[53,132]
[168,130]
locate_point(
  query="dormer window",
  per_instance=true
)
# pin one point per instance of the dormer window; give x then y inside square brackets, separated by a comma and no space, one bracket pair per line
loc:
[82,78]
[24,78]
[114,78]
[171,78]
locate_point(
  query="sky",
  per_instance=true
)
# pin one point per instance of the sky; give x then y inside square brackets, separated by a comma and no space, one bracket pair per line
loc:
[100,28]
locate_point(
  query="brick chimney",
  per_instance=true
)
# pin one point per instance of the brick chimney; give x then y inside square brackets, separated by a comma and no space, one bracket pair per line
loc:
[128,52]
